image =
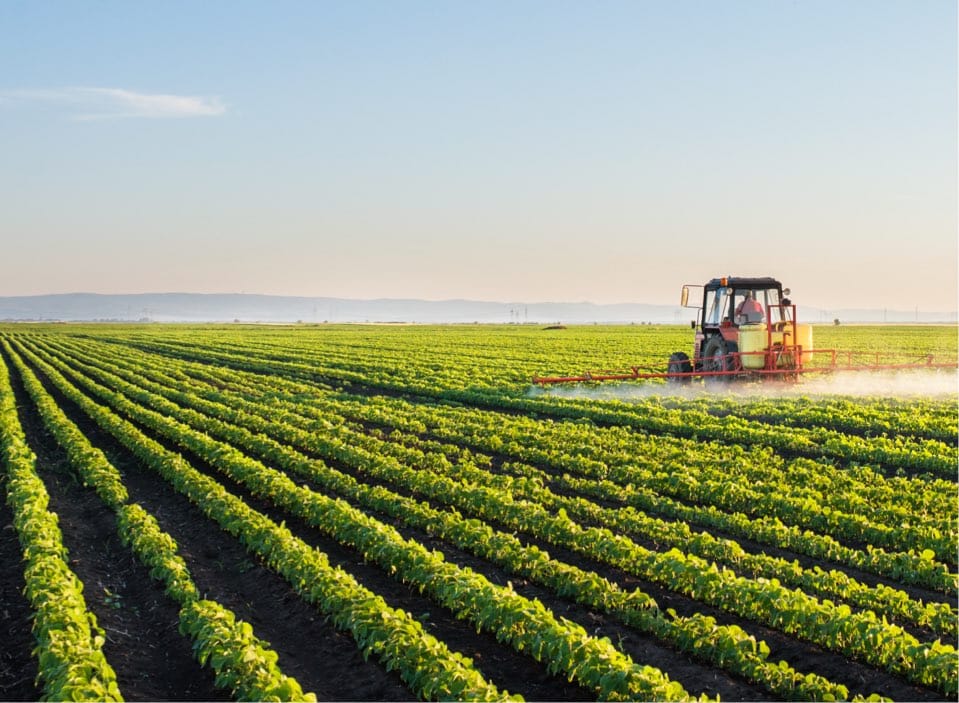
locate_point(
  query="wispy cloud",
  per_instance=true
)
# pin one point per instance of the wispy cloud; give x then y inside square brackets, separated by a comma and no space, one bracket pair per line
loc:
[84,103]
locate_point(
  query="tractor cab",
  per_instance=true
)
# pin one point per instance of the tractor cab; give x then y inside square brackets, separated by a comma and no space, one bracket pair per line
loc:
[731,302]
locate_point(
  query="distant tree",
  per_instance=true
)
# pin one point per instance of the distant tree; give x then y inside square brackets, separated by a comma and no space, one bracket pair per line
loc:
[836,322]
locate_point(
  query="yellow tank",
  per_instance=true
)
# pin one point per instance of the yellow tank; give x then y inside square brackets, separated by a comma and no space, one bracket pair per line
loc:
[752,338]
[803,340]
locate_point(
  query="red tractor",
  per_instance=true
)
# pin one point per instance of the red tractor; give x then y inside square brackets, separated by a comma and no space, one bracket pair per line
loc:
[745,325]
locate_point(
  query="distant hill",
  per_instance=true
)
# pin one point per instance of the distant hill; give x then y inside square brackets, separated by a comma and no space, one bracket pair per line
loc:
[192,307]
[195,307]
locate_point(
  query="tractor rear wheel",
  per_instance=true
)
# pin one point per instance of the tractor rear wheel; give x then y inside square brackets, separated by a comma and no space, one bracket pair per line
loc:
[679,363]
[717,356]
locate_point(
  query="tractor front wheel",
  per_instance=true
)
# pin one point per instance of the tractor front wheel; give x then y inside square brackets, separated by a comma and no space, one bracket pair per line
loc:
[679,363]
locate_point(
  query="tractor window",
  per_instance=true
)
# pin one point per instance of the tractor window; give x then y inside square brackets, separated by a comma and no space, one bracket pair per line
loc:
[718,305]
[772,299]
[746,312]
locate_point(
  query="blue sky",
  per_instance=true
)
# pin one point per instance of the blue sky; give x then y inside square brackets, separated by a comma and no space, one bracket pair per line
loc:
[514,151]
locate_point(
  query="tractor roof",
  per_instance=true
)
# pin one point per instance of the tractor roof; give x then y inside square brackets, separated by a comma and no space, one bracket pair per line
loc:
[741,282]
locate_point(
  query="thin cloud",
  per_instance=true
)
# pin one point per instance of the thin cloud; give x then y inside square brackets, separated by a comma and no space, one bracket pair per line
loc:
[115,103]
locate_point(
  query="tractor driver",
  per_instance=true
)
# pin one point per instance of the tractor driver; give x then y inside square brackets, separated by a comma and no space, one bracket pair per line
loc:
[750,310]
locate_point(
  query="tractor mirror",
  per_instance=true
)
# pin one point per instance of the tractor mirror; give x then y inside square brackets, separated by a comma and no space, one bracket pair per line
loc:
[786,292]
[685,296]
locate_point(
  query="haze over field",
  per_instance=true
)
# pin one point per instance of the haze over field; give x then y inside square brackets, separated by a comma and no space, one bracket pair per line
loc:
[542,151]
[939,384]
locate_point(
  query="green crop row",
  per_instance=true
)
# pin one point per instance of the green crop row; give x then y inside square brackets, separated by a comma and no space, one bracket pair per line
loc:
[726,646]
[768,602]
[242,663]
[610,413]
[883,600]
[941,617]
[659,484]
[840,415]
[861,635]
[527,625]
[916,522]
[696,476]
[931,456]
[904,567]
[69,641]
[861,492]
[678,482]
[457,357]
[398,640]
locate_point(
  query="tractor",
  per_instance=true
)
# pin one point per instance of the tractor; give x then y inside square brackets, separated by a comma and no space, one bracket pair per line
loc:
[744,325]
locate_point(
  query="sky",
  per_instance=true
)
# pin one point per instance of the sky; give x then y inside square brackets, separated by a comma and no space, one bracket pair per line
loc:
[503,151]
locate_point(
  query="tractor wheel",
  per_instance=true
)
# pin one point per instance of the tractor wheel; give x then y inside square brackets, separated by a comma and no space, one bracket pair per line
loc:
[679,363]
[716,357]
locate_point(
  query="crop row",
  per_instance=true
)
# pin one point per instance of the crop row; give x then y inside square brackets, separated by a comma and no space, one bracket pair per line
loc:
[801,440]
[69,642]
[646,488]
[726,646]
[918,456]
[702,474]
[859,634]
[883,600]
[903,567]
[525,624]
[428,667]
[868,493]
[891,453]
[461,357]
[842,415]
[696,427]
[242,663]
[656,483]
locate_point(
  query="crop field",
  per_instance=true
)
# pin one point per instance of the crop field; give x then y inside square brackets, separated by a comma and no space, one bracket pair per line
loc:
[395,512]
